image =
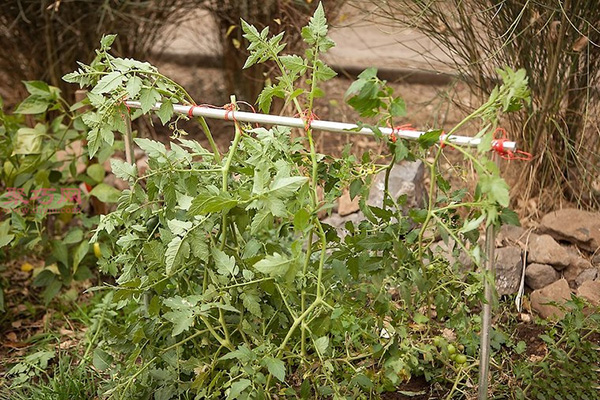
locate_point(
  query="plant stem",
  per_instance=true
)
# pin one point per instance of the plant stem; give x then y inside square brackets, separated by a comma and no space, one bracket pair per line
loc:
[211,141]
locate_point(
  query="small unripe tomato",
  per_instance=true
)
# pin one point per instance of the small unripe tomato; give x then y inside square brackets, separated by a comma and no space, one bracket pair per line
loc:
[97,250]
[451,349]
[460,359]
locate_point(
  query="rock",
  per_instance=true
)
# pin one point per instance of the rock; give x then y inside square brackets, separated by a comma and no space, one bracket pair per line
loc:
[346,206]
[338,222]
[558,292]
[406,178]
[586,275]
[447,251]
[576,226]
[509,268]
[115,182]
[142,165]
[590,291]
[511,235]
[545,250]
[577,266]
[596,259]
[538,276]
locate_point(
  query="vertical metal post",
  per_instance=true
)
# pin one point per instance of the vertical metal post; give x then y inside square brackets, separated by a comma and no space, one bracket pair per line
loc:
[489,283]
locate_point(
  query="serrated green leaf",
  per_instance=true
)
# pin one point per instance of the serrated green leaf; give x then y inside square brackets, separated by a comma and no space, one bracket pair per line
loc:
[242,353]
[177,250]
[133,87]
[123,170]
[181,318]
[153,148]
[286,187]
[294,63]
[429,138]
[302,219]
[252,303]
[274,265]
[276,367]
[179,227]
[207,204]
[148,99]
[165,112]
[108,83]
[225,264]
[237,388]
[323,72]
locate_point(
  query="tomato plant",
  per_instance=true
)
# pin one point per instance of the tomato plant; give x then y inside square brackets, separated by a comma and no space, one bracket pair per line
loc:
[227,282]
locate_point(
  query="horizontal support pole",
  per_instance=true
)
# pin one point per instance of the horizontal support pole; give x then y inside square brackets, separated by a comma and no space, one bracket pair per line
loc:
[329,126]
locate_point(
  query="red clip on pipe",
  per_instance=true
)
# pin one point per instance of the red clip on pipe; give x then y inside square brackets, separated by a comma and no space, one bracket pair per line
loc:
[498,147]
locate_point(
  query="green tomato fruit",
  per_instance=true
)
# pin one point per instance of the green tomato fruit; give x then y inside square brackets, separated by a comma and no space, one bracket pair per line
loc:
[451,349]
[460,359]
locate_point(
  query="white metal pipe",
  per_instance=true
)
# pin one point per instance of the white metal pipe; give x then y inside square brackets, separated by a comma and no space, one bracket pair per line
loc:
[330,126]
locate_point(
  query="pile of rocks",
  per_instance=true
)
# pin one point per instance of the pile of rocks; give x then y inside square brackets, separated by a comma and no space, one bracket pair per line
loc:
[561,256]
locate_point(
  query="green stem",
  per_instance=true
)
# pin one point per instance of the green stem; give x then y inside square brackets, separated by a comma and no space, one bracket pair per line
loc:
[211,141]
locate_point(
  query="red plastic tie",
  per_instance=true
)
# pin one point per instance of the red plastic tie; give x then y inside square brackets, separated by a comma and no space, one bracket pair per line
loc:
[191,110]
[229,108]
[506,154]
[398,128]
[308,119]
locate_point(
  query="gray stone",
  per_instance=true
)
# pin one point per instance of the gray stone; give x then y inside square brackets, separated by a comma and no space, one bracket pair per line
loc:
[545,250]
[406,178]
[586,275]
[509,268]
[511,235]
[538,276]
[447,251]
[576,226]
[577,266]
[590,291]
[558,292]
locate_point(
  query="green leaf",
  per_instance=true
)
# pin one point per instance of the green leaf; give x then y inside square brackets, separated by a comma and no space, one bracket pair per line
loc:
[472,224]
[509,217]
[242,353]
[96,172]
[153,148]
[39,88]
[177,251]
[79,253]
[321,344]
[323,72]
[29,141]
[5,238]
[355,188]
[108,83]
[276,367]
[123,170]
[286,187]
[107,41]
[237,388]
[225,264]
[496,189]
[165,112]
[133,87]
[181,318]
[397,107]
[207,203]
[368,73]
[101,359]
[106,193]
[94,141]
[429,138]
[302,219]
[252,303]
[318,23]
[294,63]
[274,265]
[148,99]
[34,104]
